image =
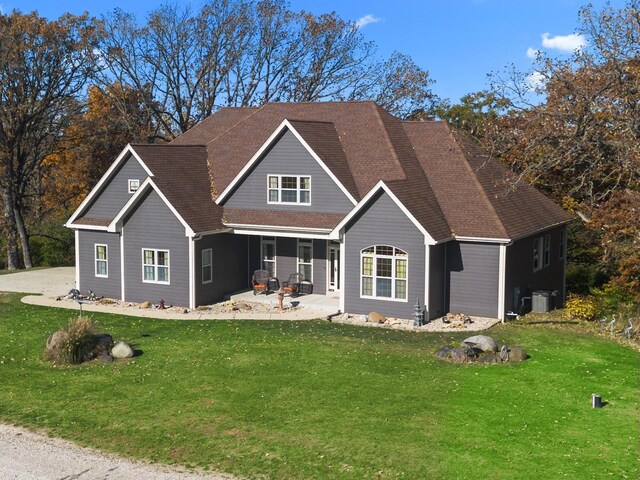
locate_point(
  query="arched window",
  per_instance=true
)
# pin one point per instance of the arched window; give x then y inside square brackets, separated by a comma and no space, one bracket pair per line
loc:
[383,273]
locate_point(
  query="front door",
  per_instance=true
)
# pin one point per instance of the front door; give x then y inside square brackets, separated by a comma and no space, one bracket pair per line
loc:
[333,269]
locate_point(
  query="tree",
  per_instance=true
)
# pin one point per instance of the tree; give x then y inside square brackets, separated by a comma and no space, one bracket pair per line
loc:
[44,66]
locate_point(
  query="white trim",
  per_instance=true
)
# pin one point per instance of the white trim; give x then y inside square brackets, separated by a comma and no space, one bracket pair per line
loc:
[263,241]
[502,279]
[77,235]
[482,239]
[275,233]
[343,286]
[279,190]
[202,265]
[338,246]
[116,223]
[103,180]
[538,244]
[155,266]
[130,181]
[307,242]
[192,272]
[86,227]
[427,278]
[335,233]
[122,264]
[285,124]
[105,259]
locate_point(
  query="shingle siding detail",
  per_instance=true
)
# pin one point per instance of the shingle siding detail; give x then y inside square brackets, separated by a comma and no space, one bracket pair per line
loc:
[383,223]
[472,278]
[103,287]
[288,157]
[230,270]
[520,269]
[152,225]
[115,192]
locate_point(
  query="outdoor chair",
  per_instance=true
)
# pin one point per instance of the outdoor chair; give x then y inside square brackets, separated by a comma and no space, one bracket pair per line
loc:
[261,282]
[292,285]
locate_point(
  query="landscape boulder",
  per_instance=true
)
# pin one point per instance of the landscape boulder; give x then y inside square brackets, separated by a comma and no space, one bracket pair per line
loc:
[375,317]
[484,343]
[145,305]
[445,352]
[463,355]
[517,354]
[490,358]
[55,342]
[97,345]
[122,350]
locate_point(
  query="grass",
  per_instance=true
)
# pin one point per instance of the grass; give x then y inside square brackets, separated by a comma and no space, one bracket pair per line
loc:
[271,399]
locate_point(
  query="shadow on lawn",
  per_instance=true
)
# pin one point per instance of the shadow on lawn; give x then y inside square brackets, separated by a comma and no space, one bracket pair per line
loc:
[554,322]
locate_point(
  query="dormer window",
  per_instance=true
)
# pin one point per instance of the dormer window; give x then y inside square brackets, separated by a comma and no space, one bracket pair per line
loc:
[289,189]
[133,185]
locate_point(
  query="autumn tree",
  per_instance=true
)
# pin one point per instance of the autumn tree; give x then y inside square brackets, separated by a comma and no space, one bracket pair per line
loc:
[44,66]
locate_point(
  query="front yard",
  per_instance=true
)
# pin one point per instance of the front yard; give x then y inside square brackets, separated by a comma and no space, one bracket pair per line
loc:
[278,399]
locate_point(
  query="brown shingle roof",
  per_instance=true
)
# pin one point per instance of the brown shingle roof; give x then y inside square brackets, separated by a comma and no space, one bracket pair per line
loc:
[94,222]
[181,174]
[281,219]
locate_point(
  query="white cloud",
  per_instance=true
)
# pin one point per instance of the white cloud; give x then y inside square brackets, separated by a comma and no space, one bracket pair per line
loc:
[366,20]
[532,53]
[564,43]
[535,80]
[1,9]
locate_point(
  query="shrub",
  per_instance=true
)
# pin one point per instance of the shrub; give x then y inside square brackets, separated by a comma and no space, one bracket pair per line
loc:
[611,298]
[72,343]
[581,308]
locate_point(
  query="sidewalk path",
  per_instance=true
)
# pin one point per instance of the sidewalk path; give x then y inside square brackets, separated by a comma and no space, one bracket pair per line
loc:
[33,456]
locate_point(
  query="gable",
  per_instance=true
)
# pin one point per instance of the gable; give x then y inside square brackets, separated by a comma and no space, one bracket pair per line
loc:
[289,157]
[113,194]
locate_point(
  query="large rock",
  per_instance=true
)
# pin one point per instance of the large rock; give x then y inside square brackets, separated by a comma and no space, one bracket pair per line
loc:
[122,350]
[445,352]
[463,355]
[145,305]
[100,343]
[375,317]
[490,358]
[517,354]
[55,341]
[484,343]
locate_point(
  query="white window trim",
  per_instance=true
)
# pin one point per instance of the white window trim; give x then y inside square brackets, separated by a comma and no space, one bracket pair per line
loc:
[546,250]
[308,242]
[210,265]
[279,189]
[393,274]
[155,266]
[263,242]
[538,244]
[105,260]
[130,182]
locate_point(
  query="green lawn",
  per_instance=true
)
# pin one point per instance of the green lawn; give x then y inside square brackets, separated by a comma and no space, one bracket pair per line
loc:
[270,399]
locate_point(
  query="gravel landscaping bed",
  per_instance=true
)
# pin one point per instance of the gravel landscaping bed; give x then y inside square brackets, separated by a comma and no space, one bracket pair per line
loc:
[444,324]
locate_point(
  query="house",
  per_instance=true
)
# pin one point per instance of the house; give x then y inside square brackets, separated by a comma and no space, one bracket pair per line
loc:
[377,210]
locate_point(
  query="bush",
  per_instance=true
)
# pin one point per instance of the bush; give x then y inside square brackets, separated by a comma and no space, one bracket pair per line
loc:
[71,344]
[581,308]
[611,298]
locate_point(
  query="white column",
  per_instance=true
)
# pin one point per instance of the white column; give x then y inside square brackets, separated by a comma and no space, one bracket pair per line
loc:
[343,284]
[122,290]
[77,235]
[192,273]
[502,277]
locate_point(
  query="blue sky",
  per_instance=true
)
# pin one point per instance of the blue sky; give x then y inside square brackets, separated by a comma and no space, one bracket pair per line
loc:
[457,41]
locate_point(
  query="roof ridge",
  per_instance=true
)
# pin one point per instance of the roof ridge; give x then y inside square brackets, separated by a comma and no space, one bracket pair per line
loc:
[475,180]
[255,110]
[390,144]
[310,121]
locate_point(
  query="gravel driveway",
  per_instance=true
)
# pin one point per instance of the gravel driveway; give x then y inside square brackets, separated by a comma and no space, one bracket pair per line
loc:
[25,455]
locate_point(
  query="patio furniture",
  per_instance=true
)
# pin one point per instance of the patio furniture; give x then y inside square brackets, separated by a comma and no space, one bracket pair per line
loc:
[260,281]
[306,287]
[292,285]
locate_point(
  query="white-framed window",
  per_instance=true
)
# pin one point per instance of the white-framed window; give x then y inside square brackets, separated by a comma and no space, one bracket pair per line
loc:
[289,189]
[563,244]
[207,265]
[546,251]
[133,185]
[102,267]
[155,266]
[383,273]
[305,259]
[268,255]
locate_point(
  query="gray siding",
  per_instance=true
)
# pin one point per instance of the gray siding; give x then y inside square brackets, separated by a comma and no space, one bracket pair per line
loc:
[437,280]
[383,223]
[115,193]
[152,225]
[472,278]
[229,257]
[289,157]
[102,287]
[520,272]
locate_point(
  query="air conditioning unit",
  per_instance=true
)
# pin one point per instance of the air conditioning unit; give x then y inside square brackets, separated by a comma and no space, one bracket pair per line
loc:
[541,301]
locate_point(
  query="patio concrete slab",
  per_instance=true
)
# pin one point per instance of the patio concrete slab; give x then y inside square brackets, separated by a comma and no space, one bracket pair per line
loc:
[55,282]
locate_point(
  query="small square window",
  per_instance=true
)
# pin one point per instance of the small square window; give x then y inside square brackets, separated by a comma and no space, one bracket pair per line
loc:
[133,185]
